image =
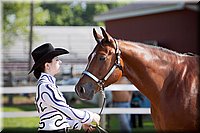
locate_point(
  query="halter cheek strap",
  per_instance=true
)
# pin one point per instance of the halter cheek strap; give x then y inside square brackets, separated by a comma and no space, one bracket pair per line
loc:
[117,63]
[101,82]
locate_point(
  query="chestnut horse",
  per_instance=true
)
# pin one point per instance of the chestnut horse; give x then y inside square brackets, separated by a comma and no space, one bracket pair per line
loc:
[170,80]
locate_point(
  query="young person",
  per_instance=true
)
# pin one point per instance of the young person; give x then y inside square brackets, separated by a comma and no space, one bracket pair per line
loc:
[56,116]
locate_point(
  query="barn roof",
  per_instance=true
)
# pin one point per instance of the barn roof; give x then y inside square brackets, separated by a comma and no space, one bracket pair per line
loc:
[140,9]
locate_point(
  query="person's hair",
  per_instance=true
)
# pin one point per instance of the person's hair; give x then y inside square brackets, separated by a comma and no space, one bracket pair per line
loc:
[37,72]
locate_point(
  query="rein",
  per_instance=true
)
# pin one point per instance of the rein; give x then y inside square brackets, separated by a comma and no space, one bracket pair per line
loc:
[101,82]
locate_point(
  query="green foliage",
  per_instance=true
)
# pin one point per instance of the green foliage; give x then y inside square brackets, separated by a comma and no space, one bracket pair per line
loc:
[74,14]
[13,21]
[16,16]
[16,20]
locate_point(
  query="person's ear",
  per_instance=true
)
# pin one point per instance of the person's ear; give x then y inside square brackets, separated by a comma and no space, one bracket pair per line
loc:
[46,65]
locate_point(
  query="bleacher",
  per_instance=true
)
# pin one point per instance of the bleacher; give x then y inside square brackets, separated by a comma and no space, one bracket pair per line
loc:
[77,39]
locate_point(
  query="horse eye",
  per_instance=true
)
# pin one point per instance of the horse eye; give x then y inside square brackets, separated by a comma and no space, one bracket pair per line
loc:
[102,58]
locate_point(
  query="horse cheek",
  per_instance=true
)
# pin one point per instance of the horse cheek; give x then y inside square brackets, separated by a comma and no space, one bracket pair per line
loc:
[116,76]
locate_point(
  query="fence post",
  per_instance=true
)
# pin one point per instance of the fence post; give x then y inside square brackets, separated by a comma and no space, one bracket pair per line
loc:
[9,83]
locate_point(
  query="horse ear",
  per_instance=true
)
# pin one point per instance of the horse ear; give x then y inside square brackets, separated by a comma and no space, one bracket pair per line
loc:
[97,36]
[106,36]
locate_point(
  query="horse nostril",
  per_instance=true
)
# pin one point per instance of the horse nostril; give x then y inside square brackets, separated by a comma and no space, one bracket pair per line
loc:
[82,90]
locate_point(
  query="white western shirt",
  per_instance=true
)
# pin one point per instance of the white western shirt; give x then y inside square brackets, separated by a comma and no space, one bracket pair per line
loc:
[53,110]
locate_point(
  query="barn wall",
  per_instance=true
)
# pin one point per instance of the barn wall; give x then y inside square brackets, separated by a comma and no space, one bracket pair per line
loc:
[176,30]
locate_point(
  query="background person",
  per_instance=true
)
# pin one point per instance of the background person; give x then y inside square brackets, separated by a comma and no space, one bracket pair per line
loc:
[121,99]
[136,119]
[55,114]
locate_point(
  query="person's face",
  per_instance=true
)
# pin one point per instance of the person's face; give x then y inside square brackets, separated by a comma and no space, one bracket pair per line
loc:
[54,67]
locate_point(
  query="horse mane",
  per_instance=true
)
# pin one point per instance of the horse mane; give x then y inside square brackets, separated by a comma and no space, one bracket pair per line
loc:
[161,49]
[174,52]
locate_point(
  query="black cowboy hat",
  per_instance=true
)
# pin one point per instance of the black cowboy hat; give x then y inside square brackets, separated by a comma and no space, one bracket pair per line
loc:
[45,52]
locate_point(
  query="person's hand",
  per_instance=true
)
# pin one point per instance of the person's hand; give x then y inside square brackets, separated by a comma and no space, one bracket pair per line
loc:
[88,128]
[96,119]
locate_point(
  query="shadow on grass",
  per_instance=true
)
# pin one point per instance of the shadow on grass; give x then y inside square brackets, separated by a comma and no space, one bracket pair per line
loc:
[34,130]
[19,130]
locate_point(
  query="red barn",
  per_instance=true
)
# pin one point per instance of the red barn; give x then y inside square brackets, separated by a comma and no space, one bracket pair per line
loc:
[170,25]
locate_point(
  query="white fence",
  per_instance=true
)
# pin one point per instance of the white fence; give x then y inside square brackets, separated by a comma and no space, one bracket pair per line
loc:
[70,88]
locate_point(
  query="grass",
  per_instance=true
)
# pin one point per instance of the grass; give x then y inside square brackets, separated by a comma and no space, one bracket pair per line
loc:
[115,127]
[20,125]
[30,124]
[17,108]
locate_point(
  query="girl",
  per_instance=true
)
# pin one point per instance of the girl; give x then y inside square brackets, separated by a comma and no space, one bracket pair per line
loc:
[56,116]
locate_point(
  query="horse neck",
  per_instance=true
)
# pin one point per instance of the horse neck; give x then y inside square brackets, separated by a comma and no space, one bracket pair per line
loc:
[146,67]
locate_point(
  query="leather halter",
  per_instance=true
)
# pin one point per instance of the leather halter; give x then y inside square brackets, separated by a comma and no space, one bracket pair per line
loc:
[117,63]
[100,82]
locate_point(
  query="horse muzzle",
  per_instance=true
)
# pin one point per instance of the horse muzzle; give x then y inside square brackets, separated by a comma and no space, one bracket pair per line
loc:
[85,91]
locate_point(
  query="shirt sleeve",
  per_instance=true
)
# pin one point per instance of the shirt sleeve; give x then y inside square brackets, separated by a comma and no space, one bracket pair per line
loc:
[52,97]
[75,124]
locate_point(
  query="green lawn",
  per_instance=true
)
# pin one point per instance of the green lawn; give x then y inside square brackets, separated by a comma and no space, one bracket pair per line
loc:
[30,124]
[15,108]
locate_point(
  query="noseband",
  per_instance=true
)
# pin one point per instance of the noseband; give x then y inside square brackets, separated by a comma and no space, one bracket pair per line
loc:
[100,82]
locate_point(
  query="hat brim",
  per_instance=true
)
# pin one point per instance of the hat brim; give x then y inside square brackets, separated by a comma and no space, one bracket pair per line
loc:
[50,55]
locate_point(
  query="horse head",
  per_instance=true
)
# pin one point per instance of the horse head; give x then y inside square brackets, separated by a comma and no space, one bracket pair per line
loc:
[104,66]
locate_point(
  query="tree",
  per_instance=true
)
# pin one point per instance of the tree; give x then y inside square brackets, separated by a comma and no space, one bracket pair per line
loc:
[16,17]
[76,14]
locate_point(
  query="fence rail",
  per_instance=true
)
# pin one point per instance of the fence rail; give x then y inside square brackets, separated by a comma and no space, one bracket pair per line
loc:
[96,110]
[65,88]
[70,88]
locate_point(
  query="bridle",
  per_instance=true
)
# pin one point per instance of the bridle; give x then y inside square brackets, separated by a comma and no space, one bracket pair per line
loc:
[101,82]
[117,64]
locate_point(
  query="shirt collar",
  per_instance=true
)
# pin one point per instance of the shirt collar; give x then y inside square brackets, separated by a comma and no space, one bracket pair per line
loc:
[48,77]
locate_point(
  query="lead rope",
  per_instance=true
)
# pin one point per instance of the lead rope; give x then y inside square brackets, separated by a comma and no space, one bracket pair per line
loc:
[98,127]
[101,83]
[104,101]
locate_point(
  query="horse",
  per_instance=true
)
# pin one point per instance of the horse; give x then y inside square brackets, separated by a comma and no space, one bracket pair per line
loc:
[170,80]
